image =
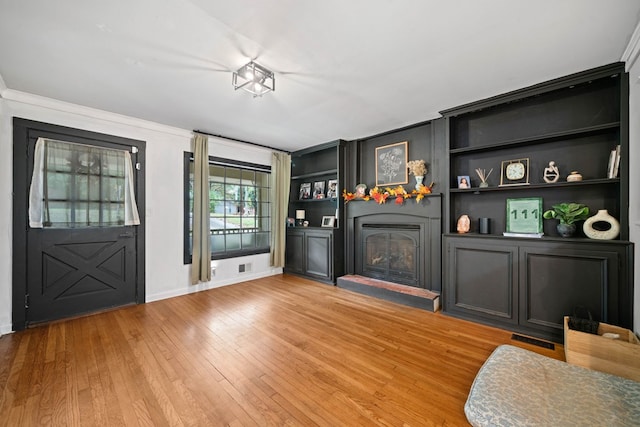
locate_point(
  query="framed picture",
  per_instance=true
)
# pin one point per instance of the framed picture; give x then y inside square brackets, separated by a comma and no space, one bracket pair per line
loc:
[332,188]
[291,222]
[514,172]
[391,164]
[464,181]
[318,190]
[524,215]
[305,191]
[328,221]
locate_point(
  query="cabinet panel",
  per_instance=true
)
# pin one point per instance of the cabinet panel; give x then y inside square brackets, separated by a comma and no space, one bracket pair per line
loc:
[482,280]
[294,252]
[319,255]
[553,281]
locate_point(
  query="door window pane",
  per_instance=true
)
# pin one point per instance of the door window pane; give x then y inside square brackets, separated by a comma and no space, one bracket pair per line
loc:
[77,185]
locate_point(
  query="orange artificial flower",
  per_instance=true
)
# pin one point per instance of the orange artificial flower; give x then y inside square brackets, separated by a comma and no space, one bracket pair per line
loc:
[379,197]
[422,191]
[347,196]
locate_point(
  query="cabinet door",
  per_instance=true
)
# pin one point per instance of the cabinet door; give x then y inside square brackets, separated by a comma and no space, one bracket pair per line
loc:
[294,259]
[556,279]
[319,254]
[482,280]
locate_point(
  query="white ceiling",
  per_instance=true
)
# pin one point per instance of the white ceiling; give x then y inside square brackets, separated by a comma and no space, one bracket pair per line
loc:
[344,68]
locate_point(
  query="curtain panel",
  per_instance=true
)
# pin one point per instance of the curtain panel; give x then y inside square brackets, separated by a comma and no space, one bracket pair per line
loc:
[281,181]
[201,253]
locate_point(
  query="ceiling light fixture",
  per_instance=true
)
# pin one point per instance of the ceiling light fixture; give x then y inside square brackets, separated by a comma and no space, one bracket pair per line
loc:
[255,79]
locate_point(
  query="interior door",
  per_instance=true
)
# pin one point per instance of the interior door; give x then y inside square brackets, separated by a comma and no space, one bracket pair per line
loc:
[85,262]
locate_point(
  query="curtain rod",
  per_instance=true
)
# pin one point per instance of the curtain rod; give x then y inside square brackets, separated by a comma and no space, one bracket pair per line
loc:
[242,141]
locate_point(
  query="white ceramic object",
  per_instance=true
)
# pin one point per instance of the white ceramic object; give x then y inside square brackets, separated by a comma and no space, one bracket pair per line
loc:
[574,177]
[601,216]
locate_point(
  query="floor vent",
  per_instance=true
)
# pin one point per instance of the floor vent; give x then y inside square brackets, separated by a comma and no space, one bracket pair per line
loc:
[529,340]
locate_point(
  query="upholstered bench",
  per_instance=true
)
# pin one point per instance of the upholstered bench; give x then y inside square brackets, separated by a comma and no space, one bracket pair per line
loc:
[517,387]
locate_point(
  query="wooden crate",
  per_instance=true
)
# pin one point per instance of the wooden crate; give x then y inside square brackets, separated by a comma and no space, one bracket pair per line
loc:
[615,356]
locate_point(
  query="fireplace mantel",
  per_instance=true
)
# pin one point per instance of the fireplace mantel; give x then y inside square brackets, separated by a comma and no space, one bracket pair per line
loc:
[426,213]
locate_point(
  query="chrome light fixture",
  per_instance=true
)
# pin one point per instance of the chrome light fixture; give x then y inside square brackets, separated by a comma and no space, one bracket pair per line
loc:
[255,79]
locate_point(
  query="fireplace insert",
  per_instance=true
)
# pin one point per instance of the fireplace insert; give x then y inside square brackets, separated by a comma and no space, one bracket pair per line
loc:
[391,252]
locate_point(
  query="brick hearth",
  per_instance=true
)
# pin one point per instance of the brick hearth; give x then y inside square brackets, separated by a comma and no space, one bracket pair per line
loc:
[407,295]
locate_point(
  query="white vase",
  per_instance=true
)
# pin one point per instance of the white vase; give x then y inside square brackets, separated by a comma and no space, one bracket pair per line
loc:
[601,216]
[419,179]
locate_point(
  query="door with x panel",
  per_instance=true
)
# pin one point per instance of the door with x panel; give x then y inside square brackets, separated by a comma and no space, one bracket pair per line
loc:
[82,236]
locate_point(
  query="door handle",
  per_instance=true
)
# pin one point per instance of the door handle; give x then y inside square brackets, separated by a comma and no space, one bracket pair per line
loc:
[128,234]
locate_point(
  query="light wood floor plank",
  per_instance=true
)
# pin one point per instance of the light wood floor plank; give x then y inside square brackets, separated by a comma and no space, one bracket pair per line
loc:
[278,351]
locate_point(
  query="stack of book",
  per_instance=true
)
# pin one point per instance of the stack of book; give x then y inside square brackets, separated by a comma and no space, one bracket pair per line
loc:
[614,163]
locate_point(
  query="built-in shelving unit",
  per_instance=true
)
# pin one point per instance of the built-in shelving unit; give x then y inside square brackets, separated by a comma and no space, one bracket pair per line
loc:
[574,121]
[316,251]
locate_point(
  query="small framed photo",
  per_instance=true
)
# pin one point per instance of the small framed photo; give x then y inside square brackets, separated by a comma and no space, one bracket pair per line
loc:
[332,190]
[328,221]
[464,181]
[305,191]
[318,190]
[291,222]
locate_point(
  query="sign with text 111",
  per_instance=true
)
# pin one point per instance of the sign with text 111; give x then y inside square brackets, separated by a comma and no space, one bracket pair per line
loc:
[524,215]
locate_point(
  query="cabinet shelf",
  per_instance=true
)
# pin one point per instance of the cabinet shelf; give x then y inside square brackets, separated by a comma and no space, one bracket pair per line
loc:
[326,199]
[587,182]
[315,174]
[545,238]
[539,139]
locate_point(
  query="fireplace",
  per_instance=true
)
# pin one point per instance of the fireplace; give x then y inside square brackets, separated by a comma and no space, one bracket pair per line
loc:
[390,252]
[395,243]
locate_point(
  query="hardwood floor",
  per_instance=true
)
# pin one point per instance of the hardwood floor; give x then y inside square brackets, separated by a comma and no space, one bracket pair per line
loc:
[276,351]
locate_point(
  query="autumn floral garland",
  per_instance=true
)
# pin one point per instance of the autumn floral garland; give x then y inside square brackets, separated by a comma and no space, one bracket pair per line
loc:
[399,194]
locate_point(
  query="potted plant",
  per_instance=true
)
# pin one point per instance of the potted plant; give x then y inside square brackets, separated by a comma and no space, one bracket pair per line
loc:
[568,214]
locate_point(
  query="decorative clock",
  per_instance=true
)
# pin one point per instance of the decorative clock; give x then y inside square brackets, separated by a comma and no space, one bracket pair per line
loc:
[514,172]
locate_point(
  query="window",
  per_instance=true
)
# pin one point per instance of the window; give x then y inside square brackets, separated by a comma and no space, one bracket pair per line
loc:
[240,208]
[76,185]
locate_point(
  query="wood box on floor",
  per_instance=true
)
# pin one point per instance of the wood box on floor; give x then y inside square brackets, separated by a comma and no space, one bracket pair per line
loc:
[619,356]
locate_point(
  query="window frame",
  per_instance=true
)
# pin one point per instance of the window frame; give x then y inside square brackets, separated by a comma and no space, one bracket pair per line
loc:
[223,162]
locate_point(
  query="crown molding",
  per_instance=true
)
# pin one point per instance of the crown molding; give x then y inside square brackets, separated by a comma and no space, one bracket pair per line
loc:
[94,113]
[632,51]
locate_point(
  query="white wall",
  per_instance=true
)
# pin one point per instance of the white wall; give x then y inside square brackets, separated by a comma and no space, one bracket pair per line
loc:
[632,58]
[166,275]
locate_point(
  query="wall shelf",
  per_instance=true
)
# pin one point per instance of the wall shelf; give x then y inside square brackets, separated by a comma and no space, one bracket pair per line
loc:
[539,139]
[546,186]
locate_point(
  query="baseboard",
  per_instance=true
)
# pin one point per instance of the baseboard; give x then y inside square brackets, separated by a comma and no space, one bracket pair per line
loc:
[210,285]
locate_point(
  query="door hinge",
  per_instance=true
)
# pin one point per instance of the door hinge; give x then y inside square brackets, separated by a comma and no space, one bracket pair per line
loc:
[26,301]
[134,149]
[138,166]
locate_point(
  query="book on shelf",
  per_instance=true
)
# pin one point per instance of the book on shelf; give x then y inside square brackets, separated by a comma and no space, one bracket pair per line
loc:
[531,235]
[614,163]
